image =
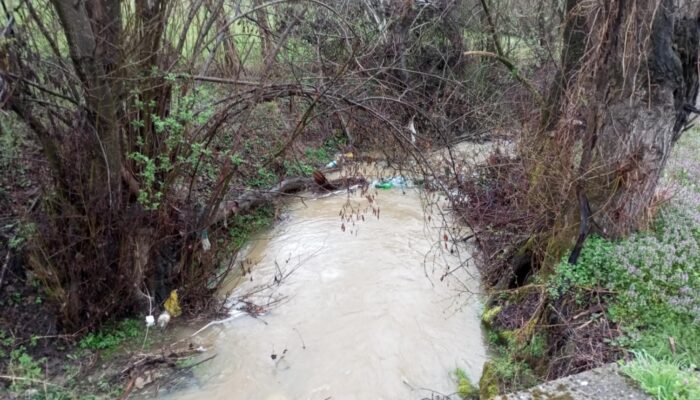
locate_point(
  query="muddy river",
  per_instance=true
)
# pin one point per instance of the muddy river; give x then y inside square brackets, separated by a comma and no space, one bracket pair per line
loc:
[361,311]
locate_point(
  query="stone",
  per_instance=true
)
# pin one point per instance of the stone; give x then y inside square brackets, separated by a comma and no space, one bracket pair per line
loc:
[604,383]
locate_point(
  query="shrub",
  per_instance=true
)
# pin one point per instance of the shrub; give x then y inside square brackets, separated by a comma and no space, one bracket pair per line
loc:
[654,277]
[26,369]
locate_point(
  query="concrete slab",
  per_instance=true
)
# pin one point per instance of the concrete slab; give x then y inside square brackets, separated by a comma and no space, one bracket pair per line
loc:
[604,383]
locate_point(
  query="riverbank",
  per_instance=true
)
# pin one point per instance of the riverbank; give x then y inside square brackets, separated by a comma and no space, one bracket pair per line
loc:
[599,312]
[38,358]
[634,299]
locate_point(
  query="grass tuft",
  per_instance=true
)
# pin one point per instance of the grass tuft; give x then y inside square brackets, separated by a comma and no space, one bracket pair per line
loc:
[664,379]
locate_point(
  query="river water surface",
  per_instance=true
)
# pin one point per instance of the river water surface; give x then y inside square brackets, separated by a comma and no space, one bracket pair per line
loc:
[362,311]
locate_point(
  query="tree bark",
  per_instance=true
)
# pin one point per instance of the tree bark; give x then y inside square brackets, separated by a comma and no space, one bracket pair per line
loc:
[573,48]
[622,106]
[633,129]
[620,101]
[94,56]
[266,45]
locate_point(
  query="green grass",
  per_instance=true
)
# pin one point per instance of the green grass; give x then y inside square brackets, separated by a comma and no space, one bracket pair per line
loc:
[663,379]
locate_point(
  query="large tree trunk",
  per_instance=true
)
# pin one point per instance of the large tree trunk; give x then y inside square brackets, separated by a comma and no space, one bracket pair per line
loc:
[94,58]
[620,101]
[639,109]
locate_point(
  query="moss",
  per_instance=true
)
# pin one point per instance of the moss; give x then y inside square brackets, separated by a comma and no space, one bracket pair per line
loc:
[488,384]
[490,314]
[507,336]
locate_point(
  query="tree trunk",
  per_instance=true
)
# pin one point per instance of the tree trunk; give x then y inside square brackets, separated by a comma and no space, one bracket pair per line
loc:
[574,46]
[632,129]
[94,56]
[402,18]
[266,45]
[629,71]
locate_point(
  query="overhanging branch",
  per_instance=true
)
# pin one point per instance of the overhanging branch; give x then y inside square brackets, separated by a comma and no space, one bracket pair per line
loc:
[513,70]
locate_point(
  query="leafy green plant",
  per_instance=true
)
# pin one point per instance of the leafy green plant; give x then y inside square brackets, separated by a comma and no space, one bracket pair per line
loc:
[264,178]
[653,278]
[536,347]
[596,265]
[511,367]
[518,373]
[317,155]
[153,167]
[111,337]
[665,380]
[298,168]
[6,341]
[24,367]
[335,142]
[24,233]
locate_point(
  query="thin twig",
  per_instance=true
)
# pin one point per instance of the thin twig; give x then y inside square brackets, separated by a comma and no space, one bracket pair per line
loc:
[22,378]
[513,70]
[4,266]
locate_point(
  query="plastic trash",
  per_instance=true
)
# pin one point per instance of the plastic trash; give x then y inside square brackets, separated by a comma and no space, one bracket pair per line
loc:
[400,181]
[172,305]
[206,244]
[150,321]
[397,181]
[332,164]
[163,319]
[384,185]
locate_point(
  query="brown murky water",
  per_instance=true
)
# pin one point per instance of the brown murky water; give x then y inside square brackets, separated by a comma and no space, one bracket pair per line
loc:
[364,314]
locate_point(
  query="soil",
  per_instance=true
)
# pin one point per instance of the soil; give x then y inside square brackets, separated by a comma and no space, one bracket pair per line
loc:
[28,326]
[25,318]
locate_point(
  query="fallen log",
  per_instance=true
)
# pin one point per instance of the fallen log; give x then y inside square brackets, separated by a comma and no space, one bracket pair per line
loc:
[252,199]
[322,181]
